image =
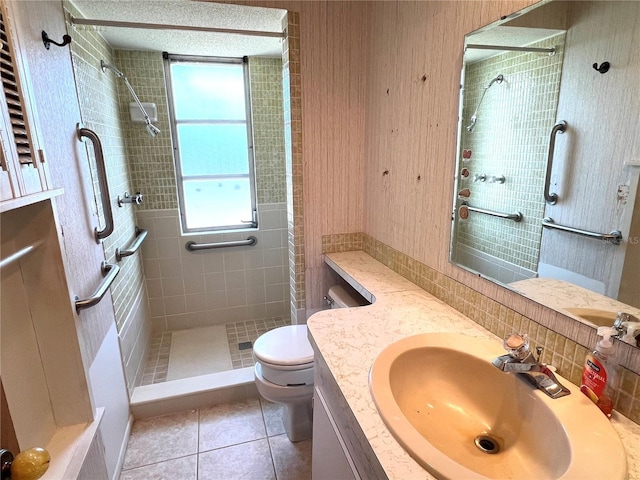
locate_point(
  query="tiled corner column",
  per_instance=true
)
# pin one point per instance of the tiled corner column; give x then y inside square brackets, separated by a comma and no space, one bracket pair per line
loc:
[559,350]
[292,94]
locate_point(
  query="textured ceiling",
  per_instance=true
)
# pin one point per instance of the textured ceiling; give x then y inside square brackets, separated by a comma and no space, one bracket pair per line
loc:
[190,13]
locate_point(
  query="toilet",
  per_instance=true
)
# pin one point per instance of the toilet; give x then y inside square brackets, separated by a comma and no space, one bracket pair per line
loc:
[283,371]
[284,374]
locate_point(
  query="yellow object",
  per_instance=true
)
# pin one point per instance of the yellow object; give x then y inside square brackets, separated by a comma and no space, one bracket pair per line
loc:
[30,464]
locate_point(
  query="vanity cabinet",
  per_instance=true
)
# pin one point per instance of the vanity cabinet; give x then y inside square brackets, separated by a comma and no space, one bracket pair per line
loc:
[341,450]
[330,459]
[24,175]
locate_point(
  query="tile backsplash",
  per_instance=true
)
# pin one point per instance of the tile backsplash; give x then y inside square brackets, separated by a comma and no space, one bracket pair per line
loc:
[564,353]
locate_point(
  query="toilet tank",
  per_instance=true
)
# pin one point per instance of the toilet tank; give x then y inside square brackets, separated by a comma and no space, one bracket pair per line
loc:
[344,297]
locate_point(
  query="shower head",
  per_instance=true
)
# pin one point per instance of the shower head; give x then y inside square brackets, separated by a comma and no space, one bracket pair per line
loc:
[152,129]
[474,118]
[499,79]
[104,66]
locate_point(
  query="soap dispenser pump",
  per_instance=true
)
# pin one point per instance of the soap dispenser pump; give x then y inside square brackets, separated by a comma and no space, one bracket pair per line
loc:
[599,374]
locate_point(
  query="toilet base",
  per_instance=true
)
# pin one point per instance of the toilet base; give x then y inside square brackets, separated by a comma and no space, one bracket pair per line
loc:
[297,415]
[298,421]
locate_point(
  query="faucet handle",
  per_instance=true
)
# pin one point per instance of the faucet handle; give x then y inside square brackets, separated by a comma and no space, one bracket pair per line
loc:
[539,354]
[622,322]
[624,317]
[517,345]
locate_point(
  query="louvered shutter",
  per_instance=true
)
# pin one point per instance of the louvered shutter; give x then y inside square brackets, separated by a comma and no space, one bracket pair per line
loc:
[13,98]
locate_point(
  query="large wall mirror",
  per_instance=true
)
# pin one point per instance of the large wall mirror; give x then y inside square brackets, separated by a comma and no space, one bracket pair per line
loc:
[549,157]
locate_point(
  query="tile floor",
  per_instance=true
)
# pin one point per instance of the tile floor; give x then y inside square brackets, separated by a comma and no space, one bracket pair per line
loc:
[247,331]
[243,440]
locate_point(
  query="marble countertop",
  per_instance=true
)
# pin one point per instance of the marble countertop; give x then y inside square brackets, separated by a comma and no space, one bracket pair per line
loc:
[349,340]
[563,296]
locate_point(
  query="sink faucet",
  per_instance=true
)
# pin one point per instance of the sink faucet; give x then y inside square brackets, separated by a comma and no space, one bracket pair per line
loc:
[624,317]
[520,359]
[627,326]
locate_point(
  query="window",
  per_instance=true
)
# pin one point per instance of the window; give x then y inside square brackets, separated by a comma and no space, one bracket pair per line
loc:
[210,111]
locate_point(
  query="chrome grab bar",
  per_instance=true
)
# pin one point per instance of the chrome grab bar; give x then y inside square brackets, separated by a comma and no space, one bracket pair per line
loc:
[102,180]
[193,246]
[133,248]
[109,271]
[560,127]
[614,237]
[516,217]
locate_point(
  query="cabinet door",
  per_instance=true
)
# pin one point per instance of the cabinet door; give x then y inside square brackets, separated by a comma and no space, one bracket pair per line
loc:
[330,459]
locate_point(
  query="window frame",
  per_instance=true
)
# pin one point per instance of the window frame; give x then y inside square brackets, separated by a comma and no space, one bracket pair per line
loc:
[249,224]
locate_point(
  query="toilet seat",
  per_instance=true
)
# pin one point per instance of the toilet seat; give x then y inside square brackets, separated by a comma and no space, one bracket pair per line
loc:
[284,346]
[285,356]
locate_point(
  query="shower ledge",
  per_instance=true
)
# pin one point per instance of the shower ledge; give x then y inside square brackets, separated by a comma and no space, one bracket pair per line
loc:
[192,393]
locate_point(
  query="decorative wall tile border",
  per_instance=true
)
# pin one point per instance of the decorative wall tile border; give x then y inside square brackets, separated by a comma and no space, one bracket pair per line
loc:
[559,350]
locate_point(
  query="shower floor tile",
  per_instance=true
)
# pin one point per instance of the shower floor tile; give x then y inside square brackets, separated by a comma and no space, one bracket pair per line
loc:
[249,331]
[157,364]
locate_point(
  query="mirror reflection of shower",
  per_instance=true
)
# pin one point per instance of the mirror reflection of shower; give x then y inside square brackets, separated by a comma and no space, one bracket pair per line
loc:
[151,128]
[474,118]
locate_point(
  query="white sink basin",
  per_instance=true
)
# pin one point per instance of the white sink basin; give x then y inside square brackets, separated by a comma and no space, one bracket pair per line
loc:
[460,417]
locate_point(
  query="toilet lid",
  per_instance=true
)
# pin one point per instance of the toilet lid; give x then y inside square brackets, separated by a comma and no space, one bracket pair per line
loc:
[284,346]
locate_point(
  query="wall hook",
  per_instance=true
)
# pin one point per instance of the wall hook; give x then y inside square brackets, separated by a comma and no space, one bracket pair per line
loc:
[603,68]
[66,40]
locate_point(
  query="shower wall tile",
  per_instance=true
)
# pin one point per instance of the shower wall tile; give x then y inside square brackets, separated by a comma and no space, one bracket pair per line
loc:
[151,159]
[154,288]
[133,343]
[194,284]
[213,287]
[152,171]
[522,107]
[268,128]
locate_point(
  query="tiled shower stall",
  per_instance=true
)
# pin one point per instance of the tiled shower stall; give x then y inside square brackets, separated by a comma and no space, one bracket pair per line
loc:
[523,106]
[166,287]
